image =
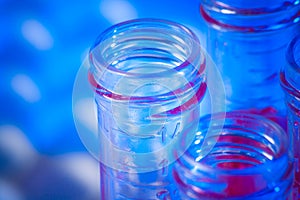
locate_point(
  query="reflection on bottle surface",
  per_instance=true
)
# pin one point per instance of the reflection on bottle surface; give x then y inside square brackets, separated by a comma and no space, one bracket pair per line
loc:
[149,79]
[247,41]
[290,81]
[247,158]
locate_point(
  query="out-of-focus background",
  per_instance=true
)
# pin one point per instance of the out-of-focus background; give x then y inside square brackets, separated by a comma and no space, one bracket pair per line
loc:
[42,45]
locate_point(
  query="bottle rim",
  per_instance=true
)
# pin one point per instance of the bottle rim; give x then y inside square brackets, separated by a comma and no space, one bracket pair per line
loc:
[149,23]
[252,9]
[283,149]
[246,18]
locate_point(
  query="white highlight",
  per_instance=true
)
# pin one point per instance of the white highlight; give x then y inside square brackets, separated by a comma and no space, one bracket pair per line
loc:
[82,167]
[225,11]
[17,147]
[116,11]
[26,88]
[37,35]
[85,112]
[197,142]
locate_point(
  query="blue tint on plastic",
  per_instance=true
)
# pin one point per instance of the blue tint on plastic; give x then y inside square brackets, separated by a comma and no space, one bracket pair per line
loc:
[247,41]
[290,81]
[251,159]
[149,80]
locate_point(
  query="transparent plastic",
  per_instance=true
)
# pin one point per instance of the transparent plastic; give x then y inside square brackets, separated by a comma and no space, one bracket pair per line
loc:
[247,41]
[149,79]
[290,81]
[250,160]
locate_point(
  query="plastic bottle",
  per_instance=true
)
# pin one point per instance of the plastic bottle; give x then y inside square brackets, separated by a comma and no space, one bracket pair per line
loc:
[149,79]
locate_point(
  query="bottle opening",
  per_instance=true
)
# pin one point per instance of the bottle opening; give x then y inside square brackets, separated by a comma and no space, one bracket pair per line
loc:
[146,52]
[250,158]
[250,16]
[145,47]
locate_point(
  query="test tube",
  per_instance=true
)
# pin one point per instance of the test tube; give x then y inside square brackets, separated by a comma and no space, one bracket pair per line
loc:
[149,79]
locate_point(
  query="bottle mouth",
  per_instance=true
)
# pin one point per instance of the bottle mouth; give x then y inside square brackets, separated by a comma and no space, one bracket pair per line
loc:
[149,39]
[249,7]
[148,60]
[246,144]
[250,156]
[249,16]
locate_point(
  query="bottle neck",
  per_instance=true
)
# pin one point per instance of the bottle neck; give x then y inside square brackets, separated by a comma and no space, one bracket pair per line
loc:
[249,151]
[250,17]
[149,79]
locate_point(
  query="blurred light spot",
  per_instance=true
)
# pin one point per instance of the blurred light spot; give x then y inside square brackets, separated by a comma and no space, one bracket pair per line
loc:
[225,11]
[198,158]
[9,192]
[37,35]
[82,167]
[85,112]
[296,20]
[197,142]
[116,11]
[17,147]
[26,88]
[198,133]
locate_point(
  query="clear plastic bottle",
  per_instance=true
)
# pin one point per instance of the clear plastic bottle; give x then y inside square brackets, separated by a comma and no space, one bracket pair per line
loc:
[149,79]
[290,81]
[251,159]
[247,41]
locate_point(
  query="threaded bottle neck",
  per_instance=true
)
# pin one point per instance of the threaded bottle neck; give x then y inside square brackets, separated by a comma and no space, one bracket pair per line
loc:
[149,79]
[141,50]
[249,16]
[249,151]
